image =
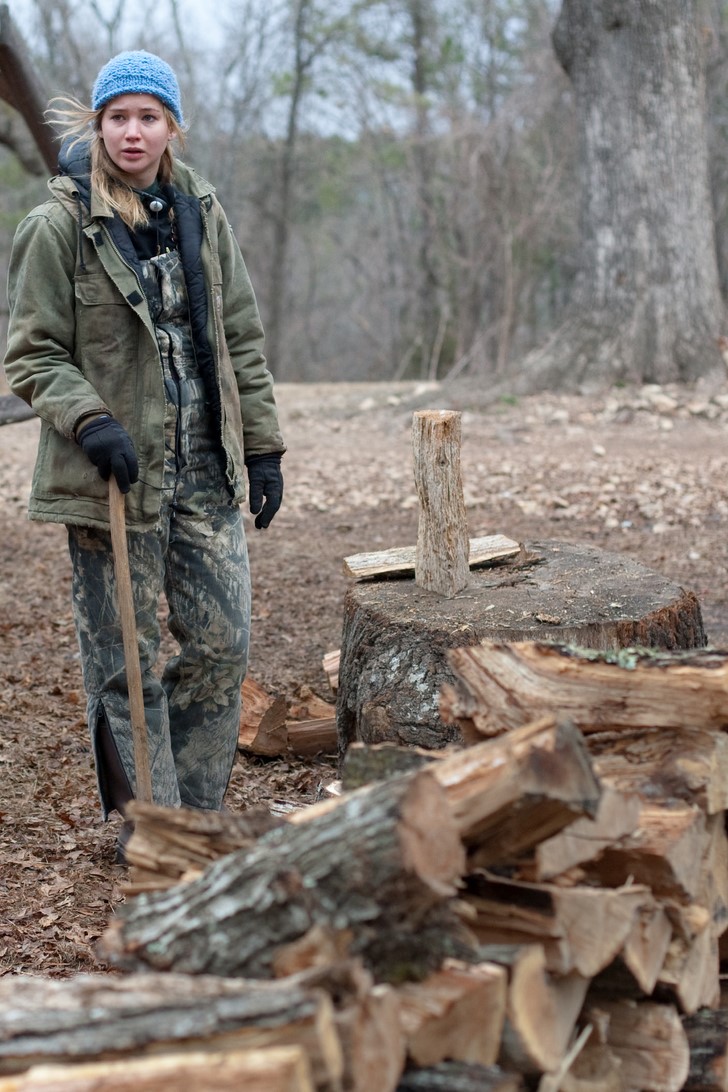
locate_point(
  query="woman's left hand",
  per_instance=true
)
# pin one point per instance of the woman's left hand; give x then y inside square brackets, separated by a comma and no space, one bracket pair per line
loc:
[266,486]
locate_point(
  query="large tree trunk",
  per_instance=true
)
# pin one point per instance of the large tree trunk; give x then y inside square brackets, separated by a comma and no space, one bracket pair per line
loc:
[647,304]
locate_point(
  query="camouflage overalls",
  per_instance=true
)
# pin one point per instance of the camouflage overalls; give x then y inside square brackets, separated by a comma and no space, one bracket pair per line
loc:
[198,559]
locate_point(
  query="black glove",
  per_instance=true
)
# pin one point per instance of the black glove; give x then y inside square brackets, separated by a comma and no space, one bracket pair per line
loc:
[266,480]
[108,445]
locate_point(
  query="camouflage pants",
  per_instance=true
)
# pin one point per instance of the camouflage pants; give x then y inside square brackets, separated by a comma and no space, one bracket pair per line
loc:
[197,558]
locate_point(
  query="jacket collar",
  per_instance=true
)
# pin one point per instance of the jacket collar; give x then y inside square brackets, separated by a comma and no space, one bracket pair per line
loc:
[74,182]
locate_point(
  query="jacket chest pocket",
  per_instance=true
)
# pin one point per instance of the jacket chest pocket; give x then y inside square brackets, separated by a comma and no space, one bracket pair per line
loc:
[96,290]
[106,326]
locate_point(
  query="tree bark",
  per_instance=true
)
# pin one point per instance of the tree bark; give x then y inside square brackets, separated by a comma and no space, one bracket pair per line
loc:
[92,1017]
[707,1034]
[461,1077]
[647,303]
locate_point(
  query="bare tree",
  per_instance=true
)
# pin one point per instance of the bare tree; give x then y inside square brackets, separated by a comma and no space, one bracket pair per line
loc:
[647,304]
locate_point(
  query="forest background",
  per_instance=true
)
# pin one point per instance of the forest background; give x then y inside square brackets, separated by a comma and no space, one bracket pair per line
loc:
[428,189]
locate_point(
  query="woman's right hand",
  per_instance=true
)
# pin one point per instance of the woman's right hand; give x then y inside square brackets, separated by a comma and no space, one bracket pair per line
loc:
[108,445]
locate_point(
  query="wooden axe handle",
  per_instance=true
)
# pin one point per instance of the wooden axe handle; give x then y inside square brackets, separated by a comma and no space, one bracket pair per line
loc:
[131,648]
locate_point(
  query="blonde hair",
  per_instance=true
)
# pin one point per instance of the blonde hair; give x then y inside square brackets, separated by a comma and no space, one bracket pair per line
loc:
[83,125]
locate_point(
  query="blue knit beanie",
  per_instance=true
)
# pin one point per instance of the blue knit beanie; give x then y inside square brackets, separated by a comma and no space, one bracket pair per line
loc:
[136,72]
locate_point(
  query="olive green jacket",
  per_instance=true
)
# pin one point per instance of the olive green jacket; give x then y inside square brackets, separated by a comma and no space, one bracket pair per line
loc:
[81,340]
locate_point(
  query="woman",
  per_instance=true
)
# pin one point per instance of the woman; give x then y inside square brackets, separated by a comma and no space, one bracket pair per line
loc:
[135,336]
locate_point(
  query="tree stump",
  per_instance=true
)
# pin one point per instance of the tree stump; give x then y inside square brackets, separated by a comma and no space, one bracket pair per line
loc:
[396,635]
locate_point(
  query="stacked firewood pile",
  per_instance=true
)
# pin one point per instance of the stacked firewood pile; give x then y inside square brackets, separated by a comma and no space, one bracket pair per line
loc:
[541,908]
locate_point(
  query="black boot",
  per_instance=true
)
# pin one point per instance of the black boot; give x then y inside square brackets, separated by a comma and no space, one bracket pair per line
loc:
[122,840]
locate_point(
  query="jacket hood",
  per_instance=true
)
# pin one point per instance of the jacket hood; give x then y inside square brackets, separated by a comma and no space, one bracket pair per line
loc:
[74,161]
[74,157]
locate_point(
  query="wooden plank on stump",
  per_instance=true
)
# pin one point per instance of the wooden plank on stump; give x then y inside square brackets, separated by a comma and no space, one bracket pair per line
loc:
[401,560]
[441,559]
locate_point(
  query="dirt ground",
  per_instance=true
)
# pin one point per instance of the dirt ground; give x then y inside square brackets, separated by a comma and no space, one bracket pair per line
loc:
[642,472]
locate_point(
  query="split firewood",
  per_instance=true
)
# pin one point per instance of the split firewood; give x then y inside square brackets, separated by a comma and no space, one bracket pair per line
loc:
[380,864]
[714,885]
[509,794]
[595,1069]
[312,737]
[172,844]
[330,664]
[691,972]
[541,1012]
[262,721]
[646,947]
[665,852]
[707,1033]
[553,1082]
[617,816]
[503,685]
[667,762]
[648,1038]
[271,727]
[667,958]
[373,1042]
[505,795]
[579,928]
[94,1017]
[368,1024]
[306,705]
[276,1069]
[456,1013]
[460,1077]
[311,725]
[364,763]
[400,560]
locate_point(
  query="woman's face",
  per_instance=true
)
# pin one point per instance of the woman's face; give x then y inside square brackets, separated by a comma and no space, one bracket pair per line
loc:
[135,132]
